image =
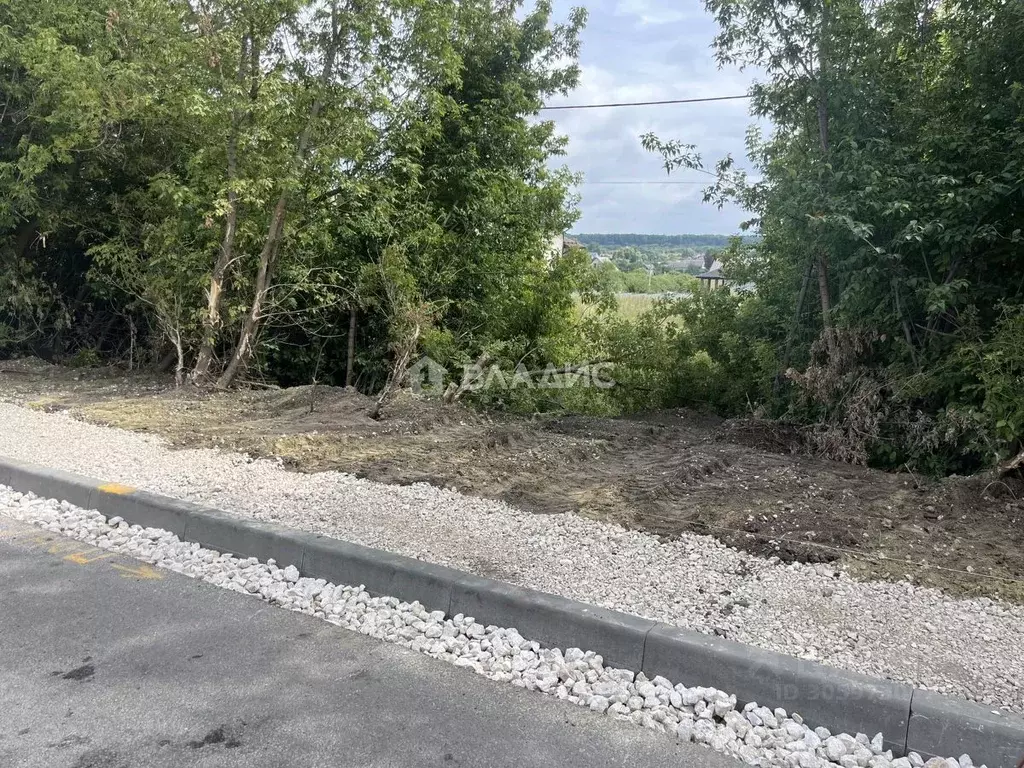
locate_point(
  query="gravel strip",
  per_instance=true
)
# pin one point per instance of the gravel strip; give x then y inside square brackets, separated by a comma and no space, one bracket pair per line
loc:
[756,735]
[917,636]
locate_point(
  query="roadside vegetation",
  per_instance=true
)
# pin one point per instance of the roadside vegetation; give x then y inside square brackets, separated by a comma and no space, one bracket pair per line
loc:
[320,191]
[888,318]
[279,192]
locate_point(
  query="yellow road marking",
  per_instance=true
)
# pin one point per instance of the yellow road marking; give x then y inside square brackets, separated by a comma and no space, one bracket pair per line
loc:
[120,490]
[45,541]
[141,572]
[86,557]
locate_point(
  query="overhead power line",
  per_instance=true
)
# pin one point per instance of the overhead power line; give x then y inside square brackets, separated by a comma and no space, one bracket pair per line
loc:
[648,103]
[646,182]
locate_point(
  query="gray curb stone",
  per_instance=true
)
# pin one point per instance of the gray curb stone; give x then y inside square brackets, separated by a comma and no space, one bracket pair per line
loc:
[381,573]
[553,620]
[248,538]
[941,726]
[911,719]
[843,702]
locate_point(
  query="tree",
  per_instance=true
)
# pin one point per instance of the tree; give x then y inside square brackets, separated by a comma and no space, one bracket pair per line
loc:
[253,186]
[480,201]
[892,173]
[72,90]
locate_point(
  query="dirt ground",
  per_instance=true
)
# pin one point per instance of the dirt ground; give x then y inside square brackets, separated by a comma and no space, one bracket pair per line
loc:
[666,473]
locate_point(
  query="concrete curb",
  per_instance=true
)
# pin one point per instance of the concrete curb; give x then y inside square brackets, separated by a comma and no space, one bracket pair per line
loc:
[911,719]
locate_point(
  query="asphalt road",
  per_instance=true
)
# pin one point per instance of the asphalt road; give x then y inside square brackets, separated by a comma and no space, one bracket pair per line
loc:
[107,663]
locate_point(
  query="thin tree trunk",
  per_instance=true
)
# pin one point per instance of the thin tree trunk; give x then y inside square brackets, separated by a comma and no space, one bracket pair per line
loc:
[179,368]
[243,350]
[791,336]
[826,302]
[351,352]
[824,291]
[212,319]
[823,121]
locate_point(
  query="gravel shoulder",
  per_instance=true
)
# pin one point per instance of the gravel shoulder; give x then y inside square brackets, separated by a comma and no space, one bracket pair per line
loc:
[897,630]
[751,484]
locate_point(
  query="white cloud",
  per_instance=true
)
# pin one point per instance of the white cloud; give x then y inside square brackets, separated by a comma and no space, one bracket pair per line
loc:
[653,12]
[650,50]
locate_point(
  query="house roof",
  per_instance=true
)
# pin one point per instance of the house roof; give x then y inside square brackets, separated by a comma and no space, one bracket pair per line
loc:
[714,274]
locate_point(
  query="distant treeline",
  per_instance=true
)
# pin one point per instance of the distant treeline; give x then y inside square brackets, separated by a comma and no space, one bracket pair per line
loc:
[657,241]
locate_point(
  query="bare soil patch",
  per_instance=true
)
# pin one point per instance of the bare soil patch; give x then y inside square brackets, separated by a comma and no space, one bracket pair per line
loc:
[666,473]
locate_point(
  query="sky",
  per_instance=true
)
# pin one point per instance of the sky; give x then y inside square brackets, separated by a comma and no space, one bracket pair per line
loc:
[649,50]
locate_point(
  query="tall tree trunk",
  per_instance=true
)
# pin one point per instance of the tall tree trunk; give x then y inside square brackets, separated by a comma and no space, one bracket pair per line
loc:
[212,319]
[826,302]
[179,353]
[264,276]
[791,336]
[351,352]
[824,291]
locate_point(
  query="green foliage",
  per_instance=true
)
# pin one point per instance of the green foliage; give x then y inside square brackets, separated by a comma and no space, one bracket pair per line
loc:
[240,177]
[888,201]
[723,362]
[84,358]
[644,281]
[994,371]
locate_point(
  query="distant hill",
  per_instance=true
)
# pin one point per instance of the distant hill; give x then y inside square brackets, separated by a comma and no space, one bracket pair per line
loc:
[655,241]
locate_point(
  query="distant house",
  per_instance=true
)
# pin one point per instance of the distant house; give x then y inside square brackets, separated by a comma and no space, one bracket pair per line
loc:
[714,280]
[555,247]
[559,245]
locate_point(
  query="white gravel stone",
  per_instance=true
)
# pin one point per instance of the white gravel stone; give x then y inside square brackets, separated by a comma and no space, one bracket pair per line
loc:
[599,704]
[835,748]
[685,729]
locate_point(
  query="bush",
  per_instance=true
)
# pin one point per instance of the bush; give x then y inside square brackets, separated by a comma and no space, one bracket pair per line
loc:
[84,358]
[997,369]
